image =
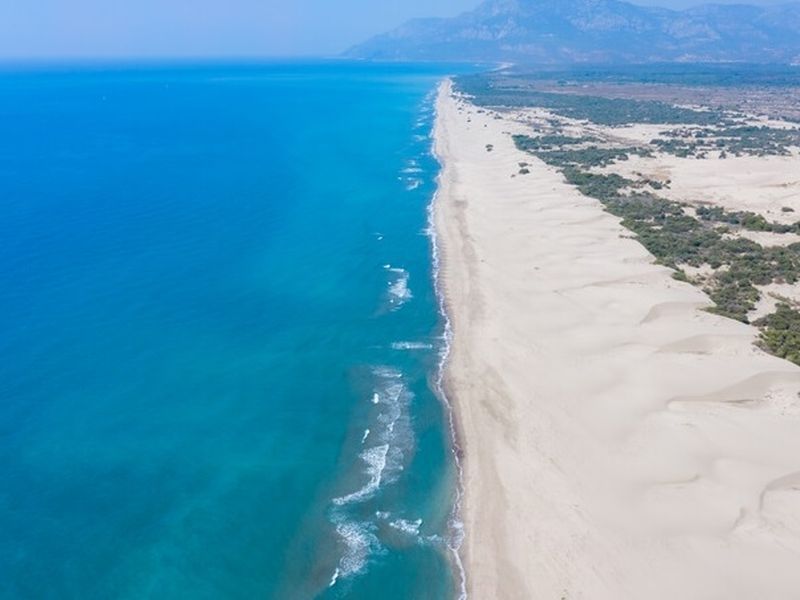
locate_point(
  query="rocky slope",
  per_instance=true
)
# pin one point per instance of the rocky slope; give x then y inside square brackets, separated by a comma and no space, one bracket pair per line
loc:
[596,31]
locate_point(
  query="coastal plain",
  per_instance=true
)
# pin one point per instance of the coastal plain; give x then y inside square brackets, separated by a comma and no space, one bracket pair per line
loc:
[619,440]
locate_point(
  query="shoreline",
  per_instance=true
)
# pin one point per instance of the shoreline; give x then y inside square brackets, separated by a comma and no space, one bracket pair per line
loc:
[456,524]
[609,432]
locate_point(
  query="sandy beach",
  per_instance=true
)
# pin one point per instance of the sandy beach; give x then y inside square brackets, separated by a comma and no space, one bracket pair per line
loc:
[619,441]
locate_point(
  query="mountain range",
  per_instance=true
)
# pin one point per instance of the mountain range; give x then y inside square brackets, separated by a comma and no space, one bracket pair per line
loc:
[596,32]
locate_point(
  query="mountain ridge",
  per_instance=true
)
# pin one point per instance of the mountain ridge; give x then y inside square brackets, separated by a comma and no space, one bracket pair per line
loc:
[596,31]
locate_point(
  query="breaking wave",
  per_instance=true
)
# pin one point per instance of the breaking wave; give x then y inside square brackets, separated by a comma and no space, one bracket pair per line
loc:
[391,437]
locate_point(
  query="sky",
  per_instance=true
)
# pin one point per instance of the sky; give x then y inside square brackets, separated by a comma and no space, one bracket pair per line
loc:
[31,29]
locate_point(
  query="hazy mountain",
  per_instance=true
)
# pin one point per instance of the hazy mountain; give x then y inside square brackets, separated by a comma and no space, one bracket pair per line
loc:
[596,31]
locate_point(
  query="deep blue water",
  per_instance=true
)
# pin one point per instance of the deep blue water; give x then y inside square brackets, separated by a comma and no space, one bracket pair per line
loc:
[213,281]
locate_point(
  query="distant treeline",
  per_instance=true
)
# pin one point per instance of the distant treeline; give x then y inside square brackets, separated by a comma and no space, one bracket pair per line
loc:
[499,91]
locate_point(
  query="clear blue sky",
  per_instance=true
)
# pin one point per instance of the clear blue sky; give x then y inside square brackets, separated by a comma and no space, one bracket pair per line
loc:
[136,28]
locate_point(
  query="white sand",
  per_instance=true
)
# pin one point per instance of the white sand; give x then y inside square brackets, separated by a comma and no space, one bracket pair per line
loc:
[763,185]
[766,238]
[620,443]
[773,294]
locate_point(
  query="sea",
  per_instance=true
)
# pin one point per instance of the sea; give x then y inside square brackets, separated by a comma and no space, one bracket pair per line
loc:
[220,334]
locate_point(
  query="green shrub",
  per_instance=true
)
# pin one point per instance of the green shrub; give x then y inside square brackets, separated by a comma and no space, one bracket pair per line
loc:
[781,333]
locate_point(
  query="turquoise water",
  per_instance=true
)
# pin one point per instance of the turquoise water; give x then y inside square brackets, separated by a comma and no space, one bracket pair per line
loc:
[220,334]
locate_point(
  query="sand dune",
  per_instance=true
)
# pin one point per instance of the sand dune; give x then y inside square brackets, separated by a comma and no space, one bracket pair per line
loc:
[620,442]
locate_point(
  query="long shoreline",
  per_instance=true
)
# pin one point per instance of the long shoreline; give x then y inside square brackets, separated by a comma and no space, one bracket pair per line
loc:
[615,441]
[456,527]
[444,385]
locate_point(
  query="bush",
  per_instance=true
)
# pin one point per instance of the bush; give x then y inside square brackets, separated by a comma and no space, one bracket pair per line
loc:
[781,333]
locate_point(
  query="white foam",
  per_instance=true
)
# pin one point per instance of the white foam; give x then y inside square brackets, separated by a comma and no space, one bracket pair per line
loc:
[399,290]
[407,527]
[394,424]
[386,373]
[383,461]
[375,459]
[413,184]
[393,435]
[360,542]
[394,408]
[411,346]
[334,578]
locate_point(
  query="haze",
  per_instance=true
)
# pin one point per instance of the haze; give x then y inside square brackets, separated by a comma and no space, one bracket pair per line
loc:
[208,28]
